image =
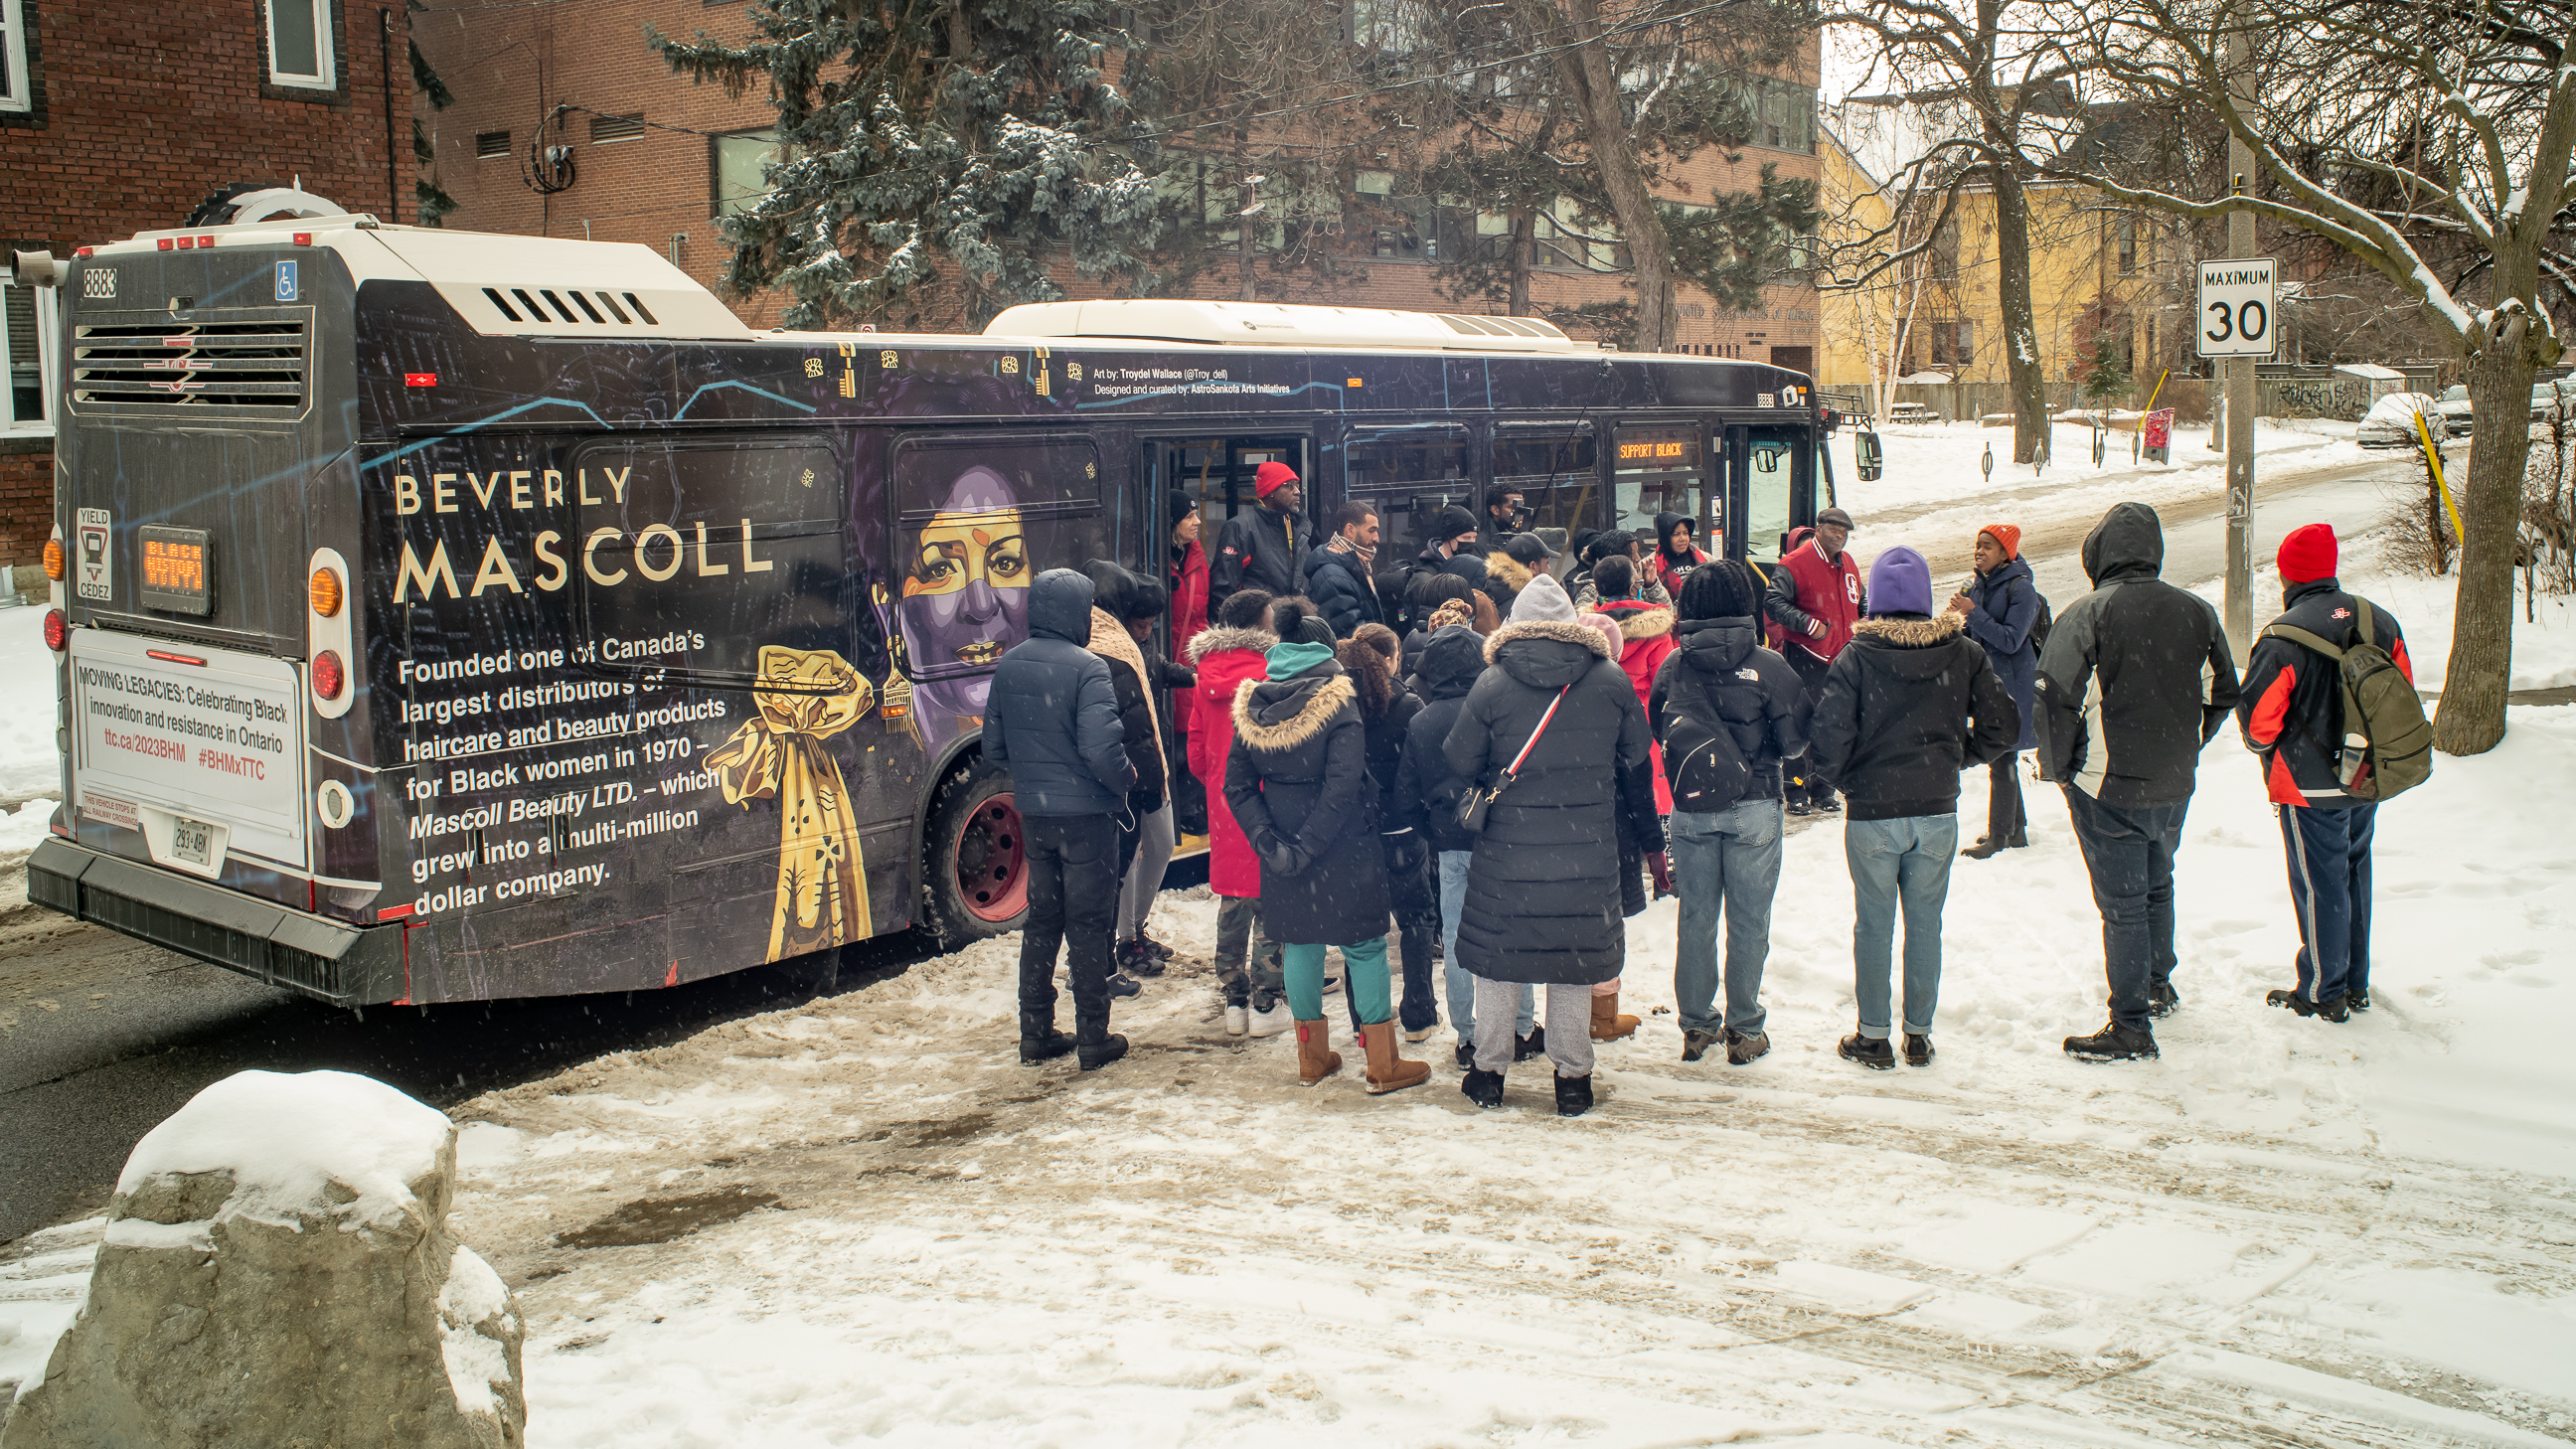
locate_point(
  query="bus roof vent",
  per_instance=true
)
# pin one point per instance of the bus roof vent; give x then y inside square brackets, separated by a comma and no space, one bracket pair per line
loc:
[1271,324]
[206,361]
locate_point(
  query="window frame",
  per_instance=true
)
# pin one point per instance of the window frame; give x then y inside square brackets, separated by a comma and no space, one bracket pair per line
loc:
[325,81]
[715,170]
[17,62]
[48,359]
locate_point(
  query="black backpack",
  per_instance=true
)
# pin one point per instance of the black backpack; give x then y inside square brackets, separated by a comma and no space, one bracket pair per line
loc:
[1702,762]
[2039,627]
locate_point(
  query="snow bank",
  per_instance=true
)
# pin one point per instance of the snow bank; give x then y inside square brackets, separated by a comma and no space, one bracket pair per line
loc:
[283,1136]
[1931,465]
[28,762]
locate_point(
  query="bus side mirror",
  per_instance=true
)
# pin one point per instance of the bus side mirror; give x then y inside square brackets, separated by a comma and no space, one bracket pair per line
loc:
[1872,460]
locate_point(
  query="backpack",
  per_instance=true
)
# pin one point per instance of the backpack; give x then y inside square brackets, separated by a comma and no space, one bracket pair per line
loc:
[1702,763]
[2388,745]
[2040,626]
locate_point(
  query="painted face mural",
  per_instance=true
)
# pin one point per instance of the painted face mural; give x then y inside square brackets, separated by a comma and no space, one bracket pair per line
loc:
[966,591]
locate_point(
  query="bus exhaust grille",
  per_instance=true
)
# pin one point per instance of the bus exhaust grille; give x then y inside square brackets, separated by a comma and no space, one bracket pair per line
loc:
[192,365]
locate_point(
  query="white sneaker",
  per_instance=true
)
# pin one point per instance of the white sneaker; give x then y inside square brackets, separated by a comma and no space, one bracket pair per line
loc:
[1273,1021]
[1238,1020]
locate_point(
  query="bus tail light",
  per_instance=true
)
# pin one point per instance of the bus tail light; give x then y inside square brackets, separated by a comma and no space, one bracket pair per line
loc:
[54,559]
[325,593]
[329,678]
[330,633]
[58,630]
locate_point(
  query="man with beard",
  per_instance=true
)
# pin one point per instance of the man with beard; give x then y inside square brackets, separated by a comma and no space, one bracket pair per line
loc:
[965,598]
[1265,546]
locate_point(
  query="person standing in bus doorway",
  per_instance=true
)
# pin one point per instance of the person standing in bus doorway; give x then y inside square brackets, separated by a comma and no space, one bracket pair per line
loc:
[1816,598]
[1186,576]
[1052,725]
[1340,576]
[1675,555]
[1230,655]
[1265,546]
[1297,781]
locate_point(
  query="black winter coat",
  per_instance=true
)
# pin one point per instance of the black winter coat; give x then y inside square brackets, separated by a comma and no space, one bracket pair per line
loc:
[1259,549]
[1543,889]
[1427,791]
[1298,775]
[1386,736]
[2007,609]
[1051,719]
[1342,590]
[1907,705]
[2137,676]
[1757,694]
[1137,723]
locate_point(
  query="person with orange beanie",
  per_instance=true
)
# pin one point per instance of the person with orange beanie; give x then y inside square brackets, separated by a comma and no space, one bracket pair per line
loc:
[2004,610]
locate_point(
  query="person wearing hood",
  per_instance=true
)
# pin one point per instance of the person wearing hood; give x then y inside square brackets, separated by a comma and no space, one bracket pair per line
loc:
[2293,716]
[1427,795]
[1908,706]
[1555,730]
[1675,554]
[1340,576]
[1734,712]
[1423,598]
[1186,577]
[1297,780]
[1053,725]
[2003,607]
[1387,709]
[1509,569]
[2136,678]
[1816,599]
[1126,608]
[1264,546]
[1229,656]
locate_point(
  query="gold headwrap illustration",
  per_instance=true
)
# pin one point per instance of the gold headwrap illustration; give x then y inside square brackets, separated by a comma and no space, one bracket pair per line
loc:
[806,697]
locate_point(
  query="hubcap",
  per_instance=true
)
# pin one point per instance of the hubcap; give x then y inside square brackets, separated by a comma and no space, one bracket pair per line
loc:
[992,864]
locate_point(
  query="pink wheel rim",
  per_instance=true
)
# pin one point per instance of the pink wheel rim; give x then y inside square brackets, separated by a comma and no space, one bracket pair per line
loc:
[991,867]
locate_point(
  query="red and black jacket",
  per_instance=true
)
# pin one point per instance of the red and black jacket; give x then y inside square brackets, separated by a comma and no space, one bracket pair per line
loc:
[2292,708]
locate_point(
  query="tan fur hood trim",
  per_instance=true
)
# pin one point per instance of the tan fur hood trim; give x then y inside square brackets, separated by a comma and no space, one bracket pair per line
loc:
[1110,640]
[1220,639]
[1913,633]
[1509,571]
[1567,630]
[1639,624]
[1309,720]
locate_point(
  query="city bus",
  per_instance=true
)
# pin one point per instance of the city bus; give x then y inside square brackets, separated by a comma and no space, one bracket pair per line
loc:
[447,617]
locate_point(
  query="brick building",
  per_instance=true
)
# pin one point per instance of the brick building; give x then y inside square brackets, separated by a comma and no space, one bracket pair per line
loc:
[116,117]
[656,159]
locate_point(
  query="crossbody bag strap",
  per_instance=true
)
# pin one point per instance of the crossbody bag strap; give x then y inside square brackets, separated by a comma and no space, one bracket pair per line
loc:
[1512,772]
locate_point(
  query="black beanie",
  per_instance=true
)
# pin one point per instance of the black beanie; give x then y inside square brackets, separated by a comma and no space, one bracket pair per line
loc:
[1719,589]
[1450,522]
[1180,505]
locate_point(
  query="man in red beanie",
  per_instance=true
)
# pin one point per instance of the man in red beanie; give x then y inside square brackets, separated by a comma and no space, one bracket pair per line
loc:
[2292,713]
[1264,547]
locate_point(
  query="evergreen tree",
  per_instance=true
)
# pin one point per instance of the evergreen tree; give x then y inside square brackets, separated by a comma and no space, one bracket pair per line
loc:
[2108,379]
[431,198]
[937,154]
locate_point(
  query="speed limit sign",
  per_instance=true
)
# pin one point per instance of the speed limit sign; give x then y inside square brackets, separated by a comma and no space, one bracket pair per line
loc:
[2237,305]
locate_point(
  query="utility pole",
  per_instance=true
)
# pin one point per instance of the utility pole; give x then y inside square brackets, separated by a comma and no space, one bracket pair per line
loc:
[2239,616]
[1244,221]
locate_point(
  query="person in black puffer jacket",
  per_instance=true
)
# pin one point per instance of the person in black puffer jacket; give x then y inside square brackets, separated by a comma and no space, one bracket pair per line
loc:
[1297,781]
[1340,577]
[1727,859]
[1543,888]
[1387,708]
[1052,723]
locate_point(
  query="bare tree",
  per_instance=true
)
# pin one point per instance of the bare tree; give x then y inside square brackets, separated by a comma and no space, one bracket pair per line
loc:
[2409,132]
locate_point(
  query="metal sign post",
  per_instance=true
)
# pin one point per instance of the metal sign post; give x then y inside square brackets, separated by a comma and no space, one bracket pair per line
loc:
[2238,302]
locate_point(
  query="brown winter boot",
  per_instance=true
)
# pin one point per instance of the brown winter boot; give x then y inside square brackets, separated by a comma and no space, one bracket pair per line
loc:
[1316,1059]
[1607,1023]
[1388,1072]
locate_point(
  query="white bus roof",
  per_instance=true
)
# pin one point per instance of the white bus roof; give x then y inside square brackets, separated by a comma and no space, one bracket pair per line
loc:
[1274,324]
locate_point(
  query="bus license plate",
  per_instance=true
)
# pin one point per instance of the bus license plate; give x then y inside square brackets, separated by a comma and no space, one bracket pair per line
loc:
[192,841]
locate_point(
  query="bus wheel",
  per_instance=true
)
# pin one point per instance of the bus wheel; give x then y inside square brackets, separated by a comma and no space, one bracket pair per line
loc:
[976,866]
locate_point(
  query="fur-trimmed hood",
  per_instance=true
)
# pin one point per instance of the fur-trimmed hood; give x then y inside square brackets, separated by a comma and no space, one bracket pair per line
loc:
[1566,631]
[1221,638]
[1277,715]
[1907,633]
[1638,619]
[1548,653]
[1508,573]
[1110,640]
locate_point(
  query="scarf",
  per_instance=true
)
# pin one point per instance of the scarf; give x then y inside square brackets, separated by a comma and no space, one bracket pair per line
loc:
[1110,640]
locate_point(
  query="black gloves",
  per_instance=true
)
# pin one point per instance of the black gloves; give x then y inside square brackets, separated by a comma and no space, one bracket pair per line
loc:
[1278,855]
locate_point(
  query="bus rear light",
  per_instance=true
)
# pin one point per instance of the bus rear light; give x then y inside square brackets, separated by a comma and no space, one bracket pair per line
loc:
[326,592]
[54,559]
[166,243]
[205,241]
[87,252]
[58,630]
[328,676]
[304,238]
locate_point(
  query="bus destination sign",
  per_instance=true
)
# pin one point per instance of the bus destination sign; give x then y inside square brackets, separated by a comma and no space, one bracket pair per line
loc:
[178,568]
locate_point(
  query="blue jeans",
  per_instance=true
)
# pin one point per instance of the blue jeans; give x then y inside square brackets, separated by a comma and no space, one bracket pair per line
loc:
[1461,986]
[2329,854]
[2129,852]
[1725,859]
[1904,859]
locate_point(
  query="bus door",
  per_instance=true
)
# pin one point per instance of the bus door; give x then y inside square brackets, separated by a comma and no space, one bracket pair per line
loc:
[1662,467]
[1768,483]
[1407,472]
[1217,472]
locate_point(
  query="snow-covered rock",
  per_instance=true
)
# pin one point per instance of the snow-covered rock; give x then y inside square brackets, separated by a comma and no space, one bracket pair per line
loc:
[277,1269]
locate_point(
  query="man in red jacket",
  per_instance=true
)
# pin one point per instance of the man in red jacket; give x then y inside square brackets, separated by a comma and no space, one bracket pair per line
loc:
[2293,718]
[1815,598]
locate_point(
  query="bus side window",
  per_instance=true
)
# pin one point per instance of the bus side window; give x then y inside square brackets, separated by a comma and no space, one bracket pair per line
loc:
[977,518]
[1769,479]
[1406,474]
[1659,471]
[1554,469]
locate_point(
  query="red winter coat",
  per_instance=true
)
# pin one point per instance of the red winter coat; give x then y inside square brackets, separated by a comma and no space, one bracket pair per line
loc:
[1188,581]
[1827,590]
[1646,632]
[1224,658]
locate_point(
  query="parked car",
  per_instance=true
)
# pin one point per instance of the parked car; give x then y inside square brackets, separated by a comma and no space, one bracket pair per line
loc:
[2390,423]
[2454,407]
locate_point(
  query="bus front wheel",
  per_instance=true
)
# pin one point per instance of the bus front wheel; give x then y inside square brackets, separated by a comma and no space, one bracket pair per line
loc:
[975,871]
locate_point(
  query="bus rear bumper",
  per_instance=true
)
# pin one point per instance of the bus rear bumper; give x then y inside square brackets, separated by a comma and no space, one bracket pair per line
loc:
[342,964]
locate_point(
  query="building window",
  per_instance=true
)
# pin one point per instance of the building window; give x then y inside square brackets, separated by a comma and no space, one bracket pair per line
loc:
[299,44]
[738,168]
[17,94]
[604,129]
[1782,115]
[1954,344]
[489,145]
[27,360]
[2127,238]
